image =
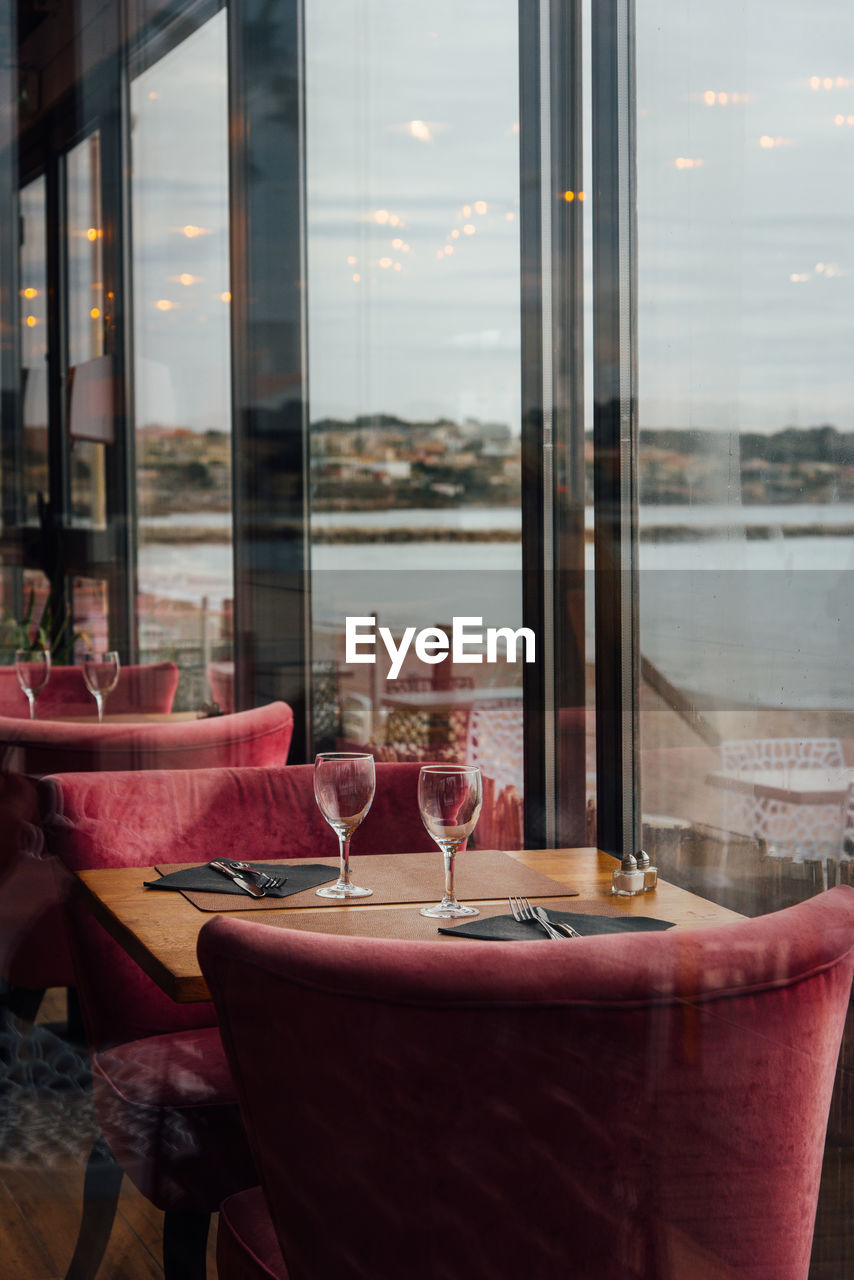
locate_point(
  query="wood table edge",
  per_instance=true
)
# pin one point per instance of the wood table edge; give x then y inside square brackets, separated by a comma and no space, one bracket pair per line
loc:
[181,989]
[191,988]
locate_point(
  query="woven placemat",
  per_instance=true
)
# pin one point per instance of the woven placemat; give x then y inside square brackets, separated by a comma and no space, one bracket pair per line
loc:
[406,923]
[401,877]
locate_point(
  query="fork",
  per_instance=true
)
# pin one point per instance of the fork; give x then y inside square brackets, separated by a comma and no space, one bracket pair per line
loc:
[522,910]
[262,879]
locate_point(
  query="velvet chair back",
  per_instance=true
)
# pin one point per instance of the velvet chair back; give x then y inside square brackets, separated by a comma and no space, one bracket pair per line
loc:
[160,817]
[33,947]
[145,688]
[642,1105]
[261,736]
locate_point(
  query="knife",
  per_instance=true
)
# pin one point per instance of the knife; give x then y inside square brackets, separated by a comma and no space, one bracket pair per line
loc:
[543,915]
[239,880]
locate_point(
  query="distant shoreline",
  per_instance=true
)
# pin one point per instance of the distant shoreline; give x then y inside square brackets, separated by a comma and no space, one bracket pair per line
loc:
[182,535]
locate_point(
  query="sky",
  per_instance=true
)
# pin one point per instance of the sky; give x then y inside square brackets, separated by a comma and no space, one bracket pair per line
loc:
[745,185]
[745,262]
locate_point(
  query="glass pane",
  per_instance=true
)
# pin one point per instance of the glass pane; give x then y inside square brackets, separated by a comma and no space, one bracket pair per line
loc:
[86,329]
[91,614]
[33,313]
[747,451]
[182,357]
[414,345]
[9,635]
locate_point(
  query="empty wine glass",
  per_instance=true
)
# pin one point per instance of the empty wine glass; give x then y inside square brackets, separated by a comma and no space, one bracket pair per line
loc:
[101,673]
[344,785]
[32,667]
[449,798]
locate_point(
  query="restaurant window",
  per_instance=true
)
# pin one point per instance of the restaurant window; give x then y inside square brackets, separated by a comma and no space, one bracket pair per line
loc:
[181,370]
[414,382]
[33,346]
[86,328]
[746,455]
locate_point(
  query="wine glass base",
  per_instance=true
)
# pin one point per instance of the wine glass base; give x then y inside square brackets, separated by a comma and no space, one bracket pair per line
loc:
[448,911]
[342,890]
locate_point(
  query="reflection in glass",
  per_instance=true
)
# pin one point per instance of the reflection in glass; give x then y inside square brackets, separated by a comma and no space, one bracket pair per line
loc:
[33,316]
[747,451]
[182,357]
[86,306]
[414,350]
[32,667]
[91,612]
[101,674]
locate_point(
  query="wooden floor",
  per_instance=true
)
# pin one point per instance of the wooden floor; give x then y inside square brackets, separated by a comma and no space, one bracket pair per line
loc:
[43,1152]
[39,1215]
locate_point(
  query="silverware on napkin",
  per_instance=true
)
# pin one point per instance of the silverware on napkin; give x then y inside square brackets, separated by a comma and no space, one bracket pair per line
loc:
[556,924]
[239,880]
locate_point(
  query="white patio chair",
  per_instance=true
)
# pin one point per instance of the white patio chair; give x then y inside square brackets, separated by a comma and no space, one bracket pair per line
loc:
[799,831]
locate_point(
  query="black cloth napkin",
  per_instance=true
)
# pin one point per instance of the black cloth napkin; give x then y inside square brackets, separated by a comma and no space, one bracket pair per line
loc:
[205,879]
[506,929]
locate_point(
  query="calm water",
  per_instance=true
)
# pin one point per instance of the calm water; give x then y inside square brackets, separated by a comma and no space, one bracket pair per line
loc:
[768,622]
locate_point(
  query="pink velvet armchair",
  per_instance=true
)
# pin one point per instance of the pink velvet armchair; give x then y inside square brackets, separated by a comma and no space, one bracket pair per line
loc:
[620,1107]
[145,688]
[33,947]
[163,1093]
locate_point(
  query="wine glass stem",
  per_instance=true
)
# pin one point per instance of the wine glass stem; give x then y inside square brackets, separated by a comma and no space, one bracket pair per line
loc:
[31,698]
[449,852]
[99,699]
[344,853]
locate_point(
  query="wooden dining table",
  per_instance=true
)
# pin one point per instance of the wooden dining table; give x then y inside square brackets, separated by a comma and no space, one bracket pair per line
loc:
[160,929]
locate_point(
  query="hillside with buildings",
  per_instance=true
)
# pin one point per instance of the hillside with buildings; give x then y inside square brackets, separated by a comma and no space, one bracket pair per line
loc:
[381,462]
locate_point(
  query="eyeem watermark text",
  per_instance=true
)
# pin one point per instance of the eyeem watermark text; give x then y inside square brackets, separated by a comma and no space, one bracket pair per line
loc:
[466,643]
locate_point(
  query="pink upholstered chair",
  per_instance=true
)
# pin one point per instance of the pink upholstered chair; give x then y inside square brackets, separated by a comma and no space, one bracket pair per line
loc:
[34,952]
[149,688]
[626,1106]
[162,1088]
[257,737]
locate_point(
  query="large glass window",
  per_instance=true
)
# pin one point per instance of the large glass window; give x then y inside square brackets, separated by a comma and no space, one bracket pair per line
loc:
[33,317]
[745,128]
[89,371]
[182,391]
[414,353]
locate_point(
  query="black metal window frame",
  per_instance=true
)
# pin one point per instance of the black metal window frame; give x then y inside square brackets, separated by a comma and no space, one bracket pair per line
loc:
[615,427]
[269,351]
[553,498]
[95,103]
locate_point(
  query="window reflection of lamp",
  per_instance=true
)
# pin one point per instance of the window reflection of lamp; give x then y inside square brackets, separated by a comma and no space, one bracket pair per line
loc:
[91,416]
[91,409]
[34,392]
[34,422]
[154,394]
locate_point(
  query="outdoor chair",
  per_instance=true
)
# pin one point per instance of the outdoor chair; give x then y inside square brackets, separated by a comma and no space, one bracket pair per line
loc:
[790,830]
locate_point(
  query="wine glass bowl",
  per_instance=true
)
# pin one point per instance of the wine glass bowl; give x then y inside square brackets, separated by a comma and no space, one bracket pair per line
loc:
[101,675]
[344,786]
[450,797]
[32,667]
